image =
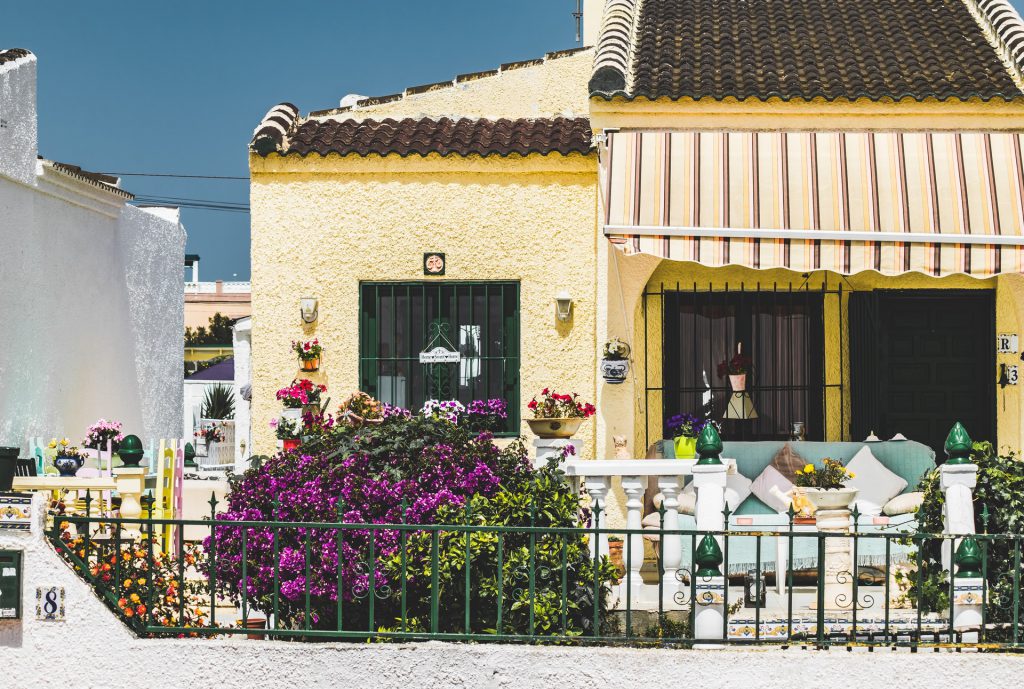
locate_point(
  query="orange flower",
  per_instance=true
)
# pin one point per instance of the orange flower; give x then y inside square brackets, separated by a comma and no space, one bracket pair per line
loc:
[135,598]
[128,612]
[121,602]
[140,609]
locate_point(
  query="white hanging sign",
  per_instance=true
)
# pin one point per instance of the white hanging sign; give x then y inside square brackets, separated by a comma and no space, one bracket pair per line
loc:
[440,355]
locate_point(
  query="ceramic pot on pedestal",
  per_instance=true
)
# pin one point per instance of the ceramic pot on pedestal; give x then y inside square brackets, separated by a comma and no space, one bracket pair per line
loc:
[833,519]
[555,428]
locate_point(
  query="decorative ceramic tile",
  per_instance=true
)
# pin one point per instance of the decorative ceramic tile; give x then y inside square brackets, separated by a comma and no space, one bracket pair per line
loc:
[16,511]
[710,593]
[50,603]
[967,594]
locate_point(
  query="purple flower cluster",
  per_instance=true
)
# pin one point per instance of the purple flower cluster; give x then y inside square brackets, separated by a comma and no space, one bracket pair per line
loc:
[423,462]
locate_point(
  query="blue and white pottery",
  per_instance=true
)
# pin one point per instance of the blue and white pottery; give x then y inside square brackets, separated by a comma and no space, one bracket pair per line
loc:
[68,466]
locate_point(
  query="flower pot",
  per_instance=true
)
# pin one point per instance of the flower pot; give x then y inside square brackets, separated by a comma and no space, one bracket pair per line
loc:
[738,382]
[290,444]
[8,467]
[686,448]
[831,498]
[310,409]
[67,466]
[310,364]
[292,413]
[256,623]
[615,556]
[554,428]
[615,371]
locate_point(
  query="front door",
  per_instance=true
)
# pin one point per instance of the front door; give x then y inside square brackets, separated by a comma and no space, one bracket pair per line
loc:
[927,358]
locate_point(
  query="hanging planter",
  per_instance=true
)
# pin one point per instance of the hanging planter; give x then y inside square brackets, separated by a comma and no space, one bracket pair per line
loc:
[738,382]
[309,354]
[736,369]
[615,364]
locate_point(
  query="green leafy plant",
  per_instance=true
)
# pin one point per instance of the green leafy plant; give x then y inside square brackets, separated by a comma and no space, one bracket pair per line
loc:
[219,332]
[219,402]
[998,509]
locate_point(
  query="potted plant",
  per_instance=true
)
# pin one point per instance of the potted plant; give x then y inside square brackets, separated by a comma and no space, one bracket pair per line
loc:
[101,433]
[615,364]
[736,369]
[615,555]
[210,433]
[557,415]
[826,487]
[301,397]
[309,354]
[67,459]
[684,429]
[287,432]
[360,408]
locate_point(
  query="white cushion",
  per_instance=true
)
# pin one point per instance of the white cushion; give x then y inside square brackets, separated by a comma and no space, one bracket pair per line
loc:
[687,505]
[737,489]
[763,484]
[904,503]
[875,484]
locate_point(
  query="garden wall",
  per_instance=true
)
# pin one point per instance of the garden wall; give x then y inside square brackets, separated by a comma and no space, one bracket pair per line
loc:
[93,649]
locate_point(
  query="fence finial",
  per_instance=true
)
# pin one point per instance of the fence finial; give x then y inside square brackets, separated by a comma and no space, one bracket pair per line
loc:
[968,559]
[709,446]
[708,557]
[958,445]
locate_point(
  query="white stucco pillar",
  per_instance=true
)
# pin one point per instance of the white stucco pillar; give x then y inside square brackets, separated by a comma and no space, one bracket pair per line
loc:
[957,482]
[709,482]
[546,449]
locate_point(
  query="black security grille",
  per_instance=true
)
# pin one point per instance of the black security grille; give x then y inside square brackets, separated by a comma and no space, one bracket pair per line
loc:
[783,328]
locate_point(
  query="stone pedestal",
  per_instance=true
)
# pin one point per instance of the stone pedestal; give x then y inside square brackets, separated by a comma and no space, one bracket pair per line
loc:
[709,482]
[839,568]
[967,603]
[546,448]
[957,482]
[709,612]
[131,482]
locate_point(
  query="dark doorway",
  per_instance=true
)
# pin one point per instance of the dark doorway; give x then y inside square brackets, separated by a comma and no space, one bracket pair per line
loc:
[920,361]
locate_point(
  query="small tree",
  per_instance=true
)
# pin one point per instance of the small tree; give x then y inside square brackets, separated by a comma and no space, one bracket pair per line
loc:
[218,333]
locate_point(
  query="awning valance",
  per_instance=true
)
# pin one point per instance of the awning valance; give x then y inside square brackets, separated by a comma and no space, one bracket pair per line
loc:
[893,202]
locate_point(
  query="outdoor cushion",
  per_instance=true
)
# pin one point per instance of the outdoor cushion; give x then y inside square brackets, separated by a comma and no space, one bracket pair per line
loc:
[875,484]
[787,462]
[687,503]
[762,487]
[737,488]
[904,503]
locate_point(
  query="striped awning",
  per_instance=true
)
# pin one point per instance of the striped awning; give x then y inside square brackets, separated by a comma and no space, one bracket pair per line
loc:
[893,202]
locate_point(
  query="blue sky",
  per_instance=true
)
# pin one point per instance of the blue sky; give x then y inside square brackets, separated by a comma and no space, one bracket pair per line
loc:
[177,87]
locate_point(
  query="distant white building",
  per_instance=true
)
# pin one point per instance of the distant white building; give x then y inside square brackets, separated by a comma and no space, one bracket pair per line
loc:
[91,304]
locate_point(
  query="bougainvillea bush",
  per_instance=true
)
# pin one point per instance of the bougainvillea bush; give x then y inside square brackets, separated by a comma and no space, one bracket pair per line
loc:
[412,468]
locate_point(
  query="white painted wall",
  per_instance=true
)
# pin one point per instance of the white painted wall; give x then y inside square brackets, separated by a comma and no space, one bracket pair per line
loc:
[93,649]
[242,348]
[91,304]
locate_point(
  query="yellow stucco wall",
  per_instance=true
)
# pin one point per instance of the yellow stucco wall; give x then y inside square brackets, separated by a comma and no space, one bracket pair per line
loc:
[320,226]
[666,274]
[557,86]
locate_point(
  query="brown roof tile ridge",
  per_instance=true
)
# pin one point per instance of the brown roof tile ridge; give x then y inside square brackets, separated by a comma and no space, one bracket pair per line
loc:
[1004,28]
[459,80]
[12,55]
[615,45]
[274,128]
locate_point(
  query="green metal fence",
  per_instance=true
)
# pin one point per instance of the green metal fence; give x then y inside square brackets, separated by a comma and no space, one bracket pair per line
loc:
[473,582]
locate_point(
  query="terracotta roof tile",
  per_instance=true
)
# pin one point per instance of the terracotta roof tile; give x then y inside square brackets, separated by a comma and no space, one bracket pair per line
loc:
[462,137]
[833,49]
[12,54]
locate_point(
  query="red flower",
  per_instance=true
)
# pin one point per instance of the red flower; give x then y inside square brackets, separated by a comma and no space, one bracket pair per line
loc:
[306,346]
[545,391]
[532,405]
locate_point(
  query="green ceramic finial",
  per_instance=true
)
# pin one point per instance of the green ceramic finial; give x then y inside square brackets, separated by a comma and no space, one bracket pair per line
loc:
[130,451]
[958,445]
[190,455]
[708,557]
[968,559]
[709,446]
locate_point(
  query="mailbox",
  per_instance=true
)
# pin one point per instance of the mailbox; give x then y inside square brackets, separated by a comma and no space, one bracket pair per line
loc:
[10,584]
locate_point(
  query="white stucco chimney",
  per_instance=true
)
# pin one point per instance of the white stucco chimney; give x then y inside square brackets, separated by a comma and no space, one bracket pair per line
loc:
[18,123]
[593,11]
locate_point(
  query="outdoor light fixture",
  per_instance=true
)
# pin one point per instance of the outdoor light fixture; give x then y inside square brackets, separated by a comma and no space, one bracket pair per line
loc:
[740,407]
[563,305]
[309,309]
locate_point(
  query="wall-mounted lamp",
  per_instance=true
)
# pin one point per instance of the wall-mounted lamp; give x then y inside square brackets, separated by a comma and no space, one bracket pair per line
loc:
[309,309]
[563,305]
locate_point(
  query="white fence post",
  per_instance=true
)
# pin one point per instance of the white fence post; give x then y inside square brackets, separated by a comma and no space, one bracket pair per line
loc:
[709,479]
[958,477]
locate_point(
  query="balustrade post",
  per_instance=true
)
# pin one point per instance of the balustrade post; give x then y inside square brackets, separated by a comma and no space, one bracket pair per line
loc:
[633,550]
[957,479]
[130,482]
[709,479]
[671,544]
[597,489]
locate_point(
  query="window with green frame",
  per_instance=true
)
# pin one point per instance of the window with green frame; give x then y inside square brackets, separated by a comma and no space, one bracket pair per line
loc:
[398,320]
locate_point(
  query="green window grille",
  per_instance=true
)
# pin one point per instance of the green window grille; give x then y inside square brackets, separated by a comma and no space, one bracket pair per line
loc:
[480,319]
